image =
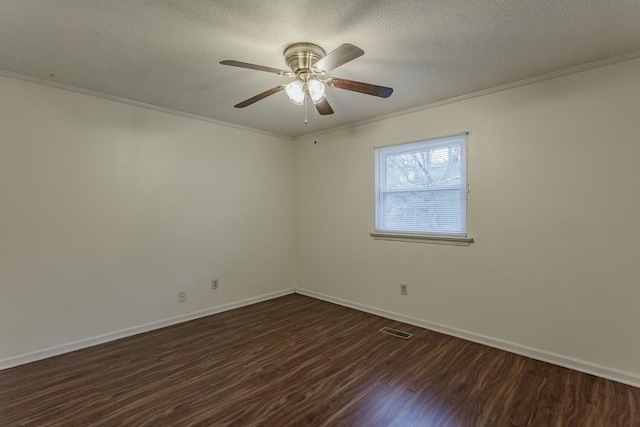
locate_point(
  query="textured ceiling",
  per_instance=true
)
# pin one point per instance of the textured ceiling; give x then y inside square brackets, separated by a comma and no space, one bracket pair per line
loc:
[167,53]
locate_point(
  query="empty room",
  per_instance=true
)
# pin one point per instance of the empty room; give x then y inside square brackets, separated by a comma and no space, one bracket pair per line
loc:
[338,213]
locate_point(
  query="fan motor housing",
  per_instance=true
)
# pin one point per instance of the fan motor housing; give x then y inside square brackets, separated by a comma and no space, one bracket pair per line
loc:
[301,56]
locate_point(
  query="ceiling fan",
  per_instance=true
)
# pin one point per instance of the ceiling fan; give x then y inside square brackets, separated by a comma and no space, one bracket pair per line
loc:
[309,66]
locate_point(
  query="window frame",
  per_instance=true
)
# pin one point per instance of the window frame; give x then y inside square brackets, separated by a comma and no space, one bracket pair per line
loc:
[461,238]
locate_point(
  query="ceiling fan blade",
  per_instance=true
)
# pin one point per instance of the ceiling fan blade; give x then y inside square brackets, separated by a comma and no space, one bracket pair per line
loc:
[256,67]
[343,54]
[324,108]
[367,88]
[259,96]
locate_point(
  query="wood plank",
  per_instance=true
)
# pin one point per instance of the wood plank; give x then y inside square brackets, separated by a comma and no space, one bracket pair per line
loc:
[297,361]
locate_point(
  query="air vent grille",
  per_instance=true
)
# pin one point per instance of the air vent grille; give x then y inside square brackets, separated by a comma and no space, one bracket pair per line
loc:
[396,333]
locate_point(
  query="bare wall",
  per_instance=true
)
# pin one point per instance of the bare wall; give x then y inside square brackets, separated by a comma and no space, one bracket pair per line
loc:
[553,206]
[109,210]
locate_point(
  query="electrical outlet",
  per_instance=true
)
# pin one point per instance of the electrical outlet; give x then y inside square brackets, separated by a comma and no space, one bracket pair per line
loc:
[403,289]
[214,284]
[182,296]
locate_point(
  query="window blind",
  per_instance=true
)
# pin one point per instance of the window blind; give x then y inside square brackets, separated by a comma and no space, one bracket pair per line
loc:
[421,187]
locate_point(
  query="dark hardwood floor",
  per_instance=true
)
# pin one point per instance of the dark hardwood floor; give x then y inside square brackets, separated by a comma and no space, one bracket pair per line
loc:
[297,361]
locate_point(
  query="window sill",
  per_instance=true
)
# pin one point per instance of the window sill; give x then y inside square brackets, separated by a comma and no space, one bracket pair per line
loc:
[439,239]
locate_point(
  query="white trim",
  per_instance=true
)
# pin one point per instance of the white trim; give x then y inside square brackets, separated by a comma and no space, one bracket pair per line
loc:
[381,231]
[37,80]
[443,239]
[519,83]
[44,353]
[628,378]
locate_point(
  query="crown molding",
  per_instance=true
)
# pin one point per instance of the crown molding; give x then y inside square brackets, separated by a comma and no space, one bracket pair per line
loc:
[519,83]
[57,85]
[513,85]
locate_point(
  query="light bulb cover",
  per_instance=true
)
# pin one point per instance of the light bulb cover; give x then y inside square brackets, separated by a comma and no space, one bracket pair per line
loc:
[295,92]
[316,90]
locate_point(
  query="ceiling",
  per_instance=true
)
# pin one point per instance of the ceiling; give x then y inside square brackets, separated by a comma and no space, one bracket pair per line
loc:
[167,53]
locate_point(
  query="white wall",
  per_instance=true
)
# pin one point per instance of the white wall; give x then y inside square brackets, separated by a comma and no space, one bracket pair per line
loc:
[554,207]
[108,210]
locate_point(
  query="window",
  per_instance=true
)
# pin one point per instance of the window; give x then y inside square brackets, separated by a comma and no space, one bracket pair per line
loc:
[421,190]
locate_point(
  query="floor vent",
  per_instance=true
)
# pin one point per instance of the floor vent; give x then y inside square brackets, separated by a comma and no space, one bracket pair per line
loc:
[396,333]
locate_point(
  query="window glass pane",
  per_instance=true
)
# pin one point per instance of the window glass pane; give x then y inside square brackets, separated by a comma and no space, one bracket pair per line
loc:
[421,187]
[423,211]
[423,168]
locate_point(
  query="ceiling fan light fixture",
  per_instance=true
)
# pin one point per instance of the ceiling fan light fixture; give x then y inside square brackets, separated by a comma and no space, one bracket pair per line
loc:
[295,92]
[316,90]
[307,62]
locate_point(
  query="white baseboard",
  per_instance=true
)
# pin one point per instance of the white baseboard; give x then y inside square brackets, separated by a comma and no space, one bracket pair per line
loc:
[545,356]
[112,336]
